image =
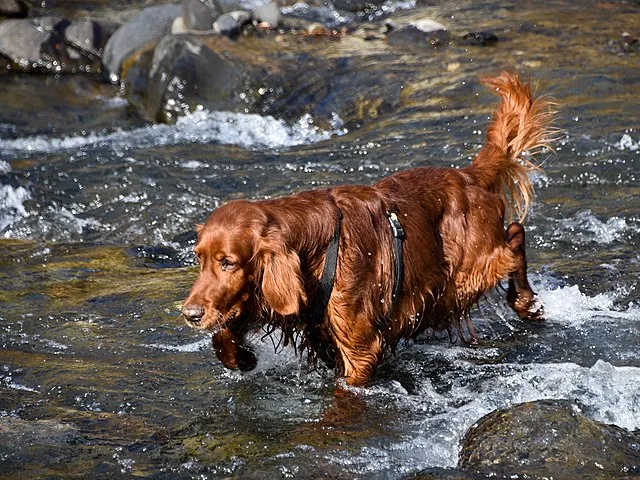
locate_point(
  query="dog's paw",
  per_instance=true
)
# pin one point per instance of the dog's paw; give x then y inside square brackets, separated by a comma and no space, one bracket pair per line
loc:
[233,354]
[528,307]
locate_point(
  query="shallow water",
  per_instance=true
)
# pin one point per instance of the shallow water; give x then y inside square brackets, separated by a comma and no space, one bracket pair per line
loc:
[97,211]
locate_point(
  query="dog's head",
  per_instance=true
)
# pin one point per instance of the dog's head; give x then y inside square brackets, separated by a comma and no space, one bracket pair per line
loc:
[246,268]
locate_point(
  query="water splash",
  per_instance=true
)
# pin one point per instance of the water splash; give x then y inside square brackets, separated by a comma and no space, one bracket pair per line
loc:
[607,393]
[12,204]
[627,143]
[585,228]
[250,131]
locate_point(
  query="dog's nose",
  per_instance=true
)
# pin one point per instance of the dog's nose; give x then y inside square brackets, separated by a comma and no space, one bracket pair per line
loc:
[193,313]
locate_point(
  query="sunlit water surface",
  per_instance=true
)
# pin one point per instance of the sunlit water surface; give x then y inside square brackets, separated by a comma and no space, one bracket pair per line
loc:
[97,212]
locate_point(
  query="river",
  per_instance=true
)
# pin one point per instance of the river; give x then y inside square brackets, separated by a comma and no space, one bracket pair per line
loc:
[97,211]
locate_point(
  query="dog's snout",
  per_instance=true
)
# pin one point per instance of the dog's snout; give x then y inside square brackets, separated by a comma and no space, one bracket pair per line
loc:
[193,313]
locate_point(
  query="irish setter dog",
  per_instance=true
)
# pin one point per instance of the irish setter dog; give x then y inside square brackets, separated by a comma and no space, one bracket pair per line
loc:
[261,261]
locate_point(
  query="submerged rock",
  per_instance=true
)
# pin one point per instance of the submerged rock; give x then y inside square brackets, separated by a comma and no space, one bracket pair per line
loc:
[143,32]
[480,38]
[549,439]
[26,441]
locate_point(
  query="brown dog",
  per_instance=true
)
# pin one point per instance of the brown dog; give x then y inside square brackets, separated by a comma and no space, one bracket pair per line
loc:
[414,251]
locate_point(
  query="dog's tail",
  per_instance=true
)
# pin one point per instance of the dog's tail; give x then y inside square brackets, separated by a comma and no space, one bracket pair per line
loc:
[520,124]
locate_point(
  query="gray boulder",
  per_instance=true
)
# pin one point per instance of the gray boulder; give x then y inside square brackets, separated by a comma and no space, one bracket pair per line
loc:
[268,13]
[29,46]
[200,14]
[182,73]
[13,9]
[52,44]
[89,36]
[549,439]
[145,29]
[232,23]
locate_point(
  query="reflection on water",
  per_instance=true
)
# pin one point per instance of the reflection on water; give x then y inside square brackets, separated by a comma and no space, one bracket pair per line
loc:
[97,211]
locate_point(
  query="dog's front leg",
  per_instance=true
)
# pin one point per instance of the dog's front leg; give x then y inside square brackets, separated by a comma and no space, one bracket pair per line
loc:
[229,346]
[520,296]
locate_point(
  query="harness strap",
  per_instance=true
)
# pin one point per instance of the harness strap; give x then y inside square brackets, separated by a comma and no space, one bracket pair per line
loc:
[325,285]
[398,267]
[320,302]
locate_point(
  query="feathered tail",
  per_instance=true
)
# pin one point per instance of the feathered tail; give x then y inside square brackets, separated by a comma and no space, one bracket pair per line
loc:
[520,124]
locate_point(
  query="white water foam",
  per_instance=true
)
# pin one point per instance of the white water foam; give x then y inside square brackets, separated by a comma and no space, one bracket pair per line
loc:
[608,393]
[12,204]
[568,304]
[627,143]
[187,348]
[246,130]
[584,228]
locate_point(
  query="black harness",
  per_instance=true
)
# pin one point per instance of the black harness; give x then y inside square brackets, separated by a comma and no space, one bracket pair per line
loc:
[325,285]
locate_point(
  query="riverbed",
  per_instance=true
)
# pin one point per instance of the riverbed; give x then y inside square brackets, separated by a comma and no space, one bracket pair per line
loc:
[99,375]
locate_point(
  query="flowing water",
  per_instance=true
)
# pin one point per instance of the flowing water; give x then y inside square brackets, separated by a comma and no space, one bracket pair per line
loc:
[99,376]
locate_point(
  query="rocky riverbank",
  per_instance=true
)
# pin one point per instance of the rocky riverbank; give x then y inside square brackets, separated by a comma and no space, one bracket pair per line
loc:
[270,59]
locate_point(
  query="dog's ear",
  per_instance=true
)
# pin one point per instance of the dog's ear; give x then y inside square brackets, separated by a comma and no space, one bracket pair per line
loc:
[282,283]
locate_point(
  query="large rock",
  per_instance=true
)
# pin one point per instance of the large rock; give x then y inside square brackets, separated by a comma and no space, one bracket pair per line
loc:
[28,46]
[13,9]
[200,14]
[549,439]
[182,73]
[143,32]
[267,75]
[53,44]
[268,13]
[89,36]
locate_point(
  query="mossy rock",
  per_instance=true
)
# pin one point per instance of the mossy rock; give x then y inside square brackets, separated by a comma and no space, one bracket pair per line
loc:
[549,439]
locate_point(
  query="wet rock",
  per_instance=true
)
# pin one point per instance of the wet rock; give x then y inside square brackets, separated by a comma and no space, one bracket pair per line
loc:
[27,441]
[142,32]
[356,5]
[89,36]
[629,43]
[40,44]
[549,439]
[200,14]
[13,9]
[232,23]
[324,15]
[480,38]
[269,14]
[184,73]
[26,45]
[419,33]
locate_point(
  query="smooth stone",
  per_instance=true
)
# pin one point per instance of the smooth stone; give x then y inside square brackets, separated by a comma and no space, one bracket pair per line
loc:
[200,14]
[146,28]
[268,13]
[13,9]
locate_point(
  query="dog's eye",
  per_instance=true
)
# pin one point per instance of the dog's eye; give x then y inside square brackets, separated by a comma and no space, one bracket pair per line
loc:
[226,264]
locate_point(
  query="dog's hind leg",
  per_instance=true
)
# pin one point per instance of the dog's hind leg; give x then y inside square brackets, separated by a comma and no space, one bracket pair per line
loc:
[520,296]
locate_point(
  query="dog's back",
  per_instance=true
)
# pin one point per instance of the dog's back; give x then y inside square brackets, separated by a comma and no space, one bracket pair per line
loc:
[456,248]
